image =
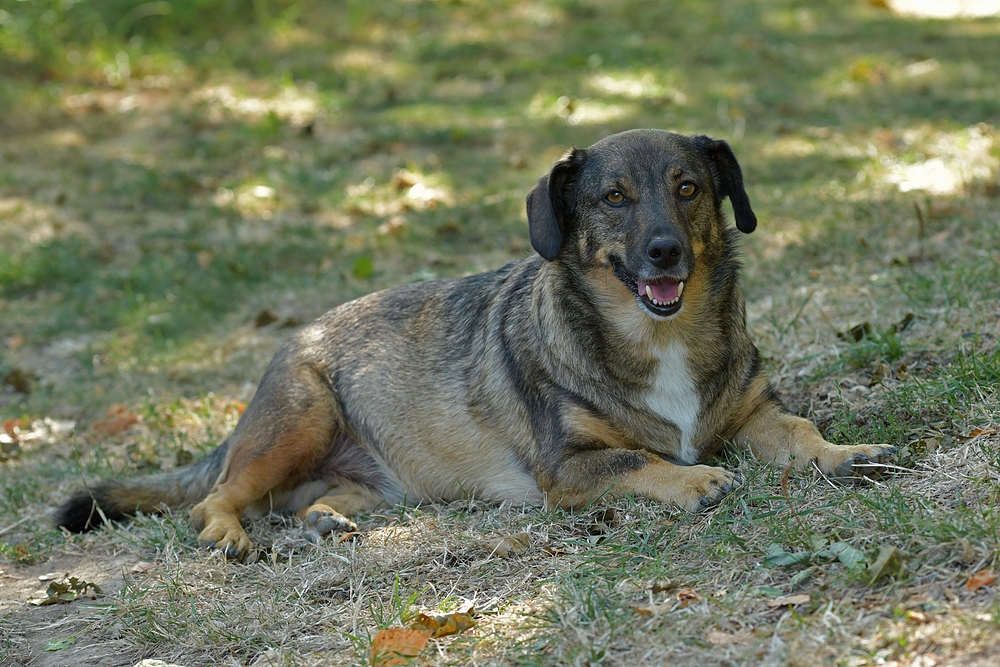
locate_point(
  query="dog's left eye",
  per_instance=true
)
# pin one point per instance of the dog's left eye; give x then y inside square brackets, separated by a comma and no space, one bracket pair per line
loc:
[687,189]
[614,197]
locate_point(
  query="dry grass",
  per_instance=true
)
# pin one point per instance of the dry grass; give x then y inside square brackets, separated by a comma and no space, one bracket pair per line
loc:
[173,203]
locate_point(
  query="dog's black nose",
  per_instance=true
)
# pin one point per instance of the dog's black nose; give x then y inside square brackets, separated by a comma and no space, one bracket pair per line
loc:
[664,253]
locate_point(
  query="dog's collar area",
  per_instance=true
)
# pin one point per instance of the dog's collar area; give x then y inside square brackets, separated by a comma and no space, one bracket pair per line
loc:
[662,297]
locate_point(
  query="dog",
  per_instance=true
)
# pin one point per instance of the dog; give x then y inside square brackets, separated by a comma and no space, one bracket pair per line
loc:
[609,363]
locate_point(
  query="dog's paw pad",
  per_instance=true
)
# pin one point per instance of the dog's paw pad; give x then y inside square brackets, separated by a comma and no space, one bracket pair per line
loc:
[322,522]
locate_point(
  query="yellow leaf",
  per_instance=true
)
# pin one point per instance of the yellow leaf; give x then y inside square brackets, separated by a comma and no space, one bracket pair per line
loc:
[396,646]
[442,625]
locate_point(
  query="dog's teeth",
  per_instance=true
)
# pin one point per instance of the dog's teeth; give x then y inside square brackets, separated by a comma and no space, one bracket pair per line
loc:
[680,289]
[649,293]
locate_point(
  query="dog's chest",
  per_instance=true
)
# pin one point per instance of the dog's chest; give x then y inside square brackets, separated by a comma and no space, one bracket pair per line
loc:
[674,396]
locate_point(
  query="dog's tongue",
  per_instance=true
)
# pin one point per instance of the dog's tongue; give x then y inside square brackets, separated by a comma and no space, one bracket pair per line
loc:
[663,291]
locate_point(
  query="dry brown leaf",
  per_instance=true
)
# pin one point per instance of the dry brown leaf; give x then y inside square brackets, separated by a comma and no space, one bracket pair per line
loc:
[12,427]
[653,609]
[397,646]
[980,579]
[664,587]
[116,421]
[985,430]
[509,545]
[442,625]
[792,600]
[881,372]
[687,595]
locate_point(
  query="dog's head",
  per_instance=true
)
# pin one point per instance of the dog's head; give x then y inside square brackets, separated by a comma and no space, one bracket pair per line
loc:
[644,203]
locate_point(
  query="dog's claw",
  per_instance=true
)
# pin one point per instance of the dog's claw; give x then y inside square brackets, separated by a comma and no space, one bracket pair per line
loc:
[865,465]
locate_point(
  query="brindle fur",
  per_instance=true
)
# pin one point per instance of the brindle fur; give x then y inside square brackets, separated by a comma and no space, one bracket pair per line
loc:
[540,382]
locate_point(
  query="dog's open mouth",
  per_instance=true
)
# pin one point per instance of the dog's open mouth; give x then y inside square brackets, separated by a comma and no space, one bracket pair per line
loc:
[661,297]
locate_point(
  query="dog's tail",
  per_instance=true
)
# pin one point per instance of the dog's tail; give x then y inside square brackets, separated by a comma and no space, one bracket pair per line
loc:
[116,500]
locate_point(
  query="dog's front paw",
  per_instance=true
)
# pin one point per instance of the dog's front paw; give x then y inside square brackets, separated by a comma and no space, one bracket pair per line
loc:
[321,520]
[227,537]
[856,461]
[704,486]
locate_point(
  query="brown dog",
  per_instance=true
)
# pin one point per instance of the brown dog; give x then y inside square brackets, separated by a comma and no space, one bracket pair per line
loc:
[609,363]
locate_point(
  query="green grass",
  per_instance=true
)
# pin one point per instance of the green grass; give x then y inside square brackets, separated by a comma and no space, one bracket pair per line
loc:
[171,172]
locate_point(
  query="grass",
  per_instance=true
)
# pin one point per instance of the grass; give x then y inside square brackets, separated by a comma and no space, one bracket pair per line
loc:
[182,184]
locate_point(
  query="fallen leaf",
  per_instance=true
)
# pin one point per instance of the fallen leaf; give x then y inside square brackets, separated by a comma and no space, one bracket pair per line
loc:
[786,600]
[881,372]
[116,421]
[142,567]
[509,545]
[59,644]
[929,445]
[12,427]
[647,610]
[802,575]
[857,333]
[442,625]
[889,563]
[264,318]
[63,590]
[844,552]
[778,557]
[979,579]
[555,550]
[687,595]
[985,430]
[665,587]
[604,521]
[903,324]
[396,646]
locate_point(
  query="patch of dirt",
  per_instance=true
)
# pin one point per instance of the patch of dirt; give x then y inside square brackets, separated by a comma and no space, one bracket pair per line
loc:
[61,635]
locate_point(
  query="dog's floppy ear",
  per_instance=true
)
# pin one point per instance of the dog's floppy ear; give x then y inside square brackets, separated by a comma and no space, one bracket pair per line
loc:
[551,205]
[729,180]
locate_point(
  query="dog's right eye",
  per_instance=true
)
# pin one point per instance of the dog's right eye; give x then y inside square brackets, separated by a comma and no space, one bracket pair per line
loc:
[614,197]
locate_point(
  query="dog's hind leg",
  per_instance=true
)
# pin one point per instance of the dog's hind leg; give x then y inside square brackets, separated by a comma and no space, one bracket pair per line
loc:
[284,434]
[329,514]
